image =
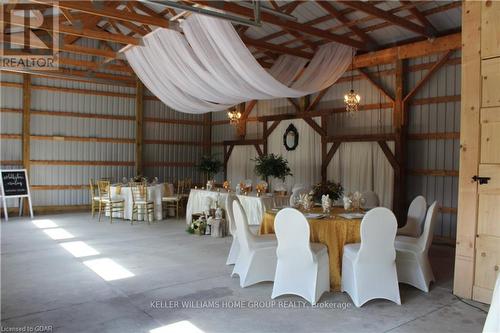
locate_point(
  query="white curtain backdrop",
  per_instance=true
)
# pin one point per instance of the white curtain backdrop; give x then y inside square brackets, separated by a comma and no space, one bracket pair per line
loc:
[305,160]
[362,166]
[209,68]
[240,165]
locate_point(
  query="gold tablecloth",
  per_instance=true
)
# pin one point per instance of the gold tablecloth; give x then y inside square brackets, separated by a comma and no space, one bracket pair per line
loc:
[334,232]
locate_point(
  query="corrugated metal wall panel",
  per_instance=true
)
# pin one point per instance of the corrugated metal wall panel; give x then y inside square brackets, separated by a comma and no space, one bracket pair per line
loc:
[171,152]
[73,102]
[11,97]
[11,123]
[435,154]
[11,150]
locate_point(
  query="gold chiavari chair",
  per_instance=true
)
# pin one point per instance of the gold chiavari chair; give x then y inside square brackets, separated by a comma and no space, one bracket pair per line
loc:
[111,204]
[171,200]
[94,196]
[141,202]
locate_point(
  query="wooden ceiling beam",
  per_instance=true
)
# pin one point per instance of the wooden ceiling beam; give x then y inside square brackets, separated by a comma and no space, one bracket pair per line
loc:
[275,48]
[411,50]
[397,20]
[271,19]
[328,7]
[70,48]
[420,17]
[94,8]
[83,32]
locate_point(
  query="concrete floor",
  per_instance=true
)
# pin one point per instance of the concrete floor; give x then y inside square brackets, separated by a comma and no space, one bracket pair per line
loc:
[43,284]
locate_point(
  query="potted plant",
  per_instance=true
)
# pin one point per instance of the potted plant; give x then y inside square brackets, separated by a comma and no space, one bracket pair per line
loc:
[334,190]
[209,166]
[272,165]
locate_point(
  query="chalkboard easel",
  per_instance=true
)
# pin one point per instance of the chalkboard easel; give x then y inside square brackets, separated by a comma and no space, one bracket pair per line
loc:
[15,184]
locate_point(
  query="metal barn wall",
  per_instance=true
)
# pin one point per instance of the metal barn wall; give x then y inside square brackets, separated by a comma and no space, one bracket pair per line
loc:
[433,164]
[179,143]
[50,157]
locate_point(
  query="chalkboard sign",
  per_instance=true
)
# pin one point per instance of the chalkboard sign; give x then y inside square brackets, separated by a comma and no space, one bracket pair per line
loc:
[14,183]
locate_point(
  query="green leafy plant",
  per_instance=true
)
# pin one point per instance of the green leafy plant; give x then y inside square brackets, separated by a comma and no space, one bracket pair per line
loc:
[272,165]
[334,190]
[209,166]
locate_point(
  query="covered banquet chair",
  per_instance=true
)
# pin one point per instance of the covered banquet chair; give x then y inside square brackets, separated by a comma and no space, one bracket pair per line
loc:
[302,267]
[257,255]
[415,219]
[369,267]
[412,259]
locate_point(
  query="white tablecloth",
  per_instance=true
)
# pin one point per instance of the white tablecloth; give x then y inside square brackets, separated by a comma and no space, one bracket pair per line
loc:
[254,206]
[155,193]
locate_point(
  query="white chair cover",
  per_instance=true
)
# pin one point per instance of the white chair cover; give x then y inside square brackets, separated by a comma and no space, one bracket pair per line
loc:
[235,245]
[302,267]
[492,324]
[416,216]
[371,199]
[369,267]
[257,257]
[412,258]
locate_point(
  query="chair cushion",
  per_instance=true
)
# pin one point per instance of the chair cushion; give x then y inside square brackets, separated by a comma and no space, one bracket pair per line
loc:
[318,248]
[143,202]
[170,199]
[113,199]
[351,250]
[96,198]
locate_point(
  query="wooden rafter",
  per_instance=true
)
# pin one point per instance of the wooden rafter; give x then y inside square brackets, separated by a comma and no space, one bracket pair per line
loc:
[70,48]
[275,48]
[397,20]
[99,10]
[83,32]
[272,19]
[379,87]
[345,21]
[429,74]
[420,17]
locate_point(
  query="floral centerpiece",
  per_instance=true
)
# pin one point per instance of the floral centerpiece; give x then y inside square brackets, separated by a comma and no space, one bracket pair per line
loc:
[226,185]
[332,189]
[272,165]
[197,227]
[261,187]
[209,166]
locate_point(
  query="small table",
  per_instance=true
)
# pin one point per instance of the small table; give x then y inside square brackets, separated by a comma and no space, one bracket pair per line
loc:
[334,232]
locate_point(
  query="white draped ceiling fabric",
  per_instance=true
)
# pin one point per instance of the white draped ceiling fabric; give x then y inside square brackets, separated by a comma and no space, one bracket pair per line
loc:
[209,68]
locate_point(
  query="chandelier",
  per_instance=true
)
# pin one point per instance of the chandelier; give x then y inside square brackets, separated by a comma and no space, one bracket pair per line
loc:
[234,116]
[351,99]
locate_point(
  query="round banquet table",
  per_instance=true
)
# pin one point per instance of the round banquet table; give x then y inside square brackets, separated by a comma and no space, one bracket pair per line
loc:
[334,231]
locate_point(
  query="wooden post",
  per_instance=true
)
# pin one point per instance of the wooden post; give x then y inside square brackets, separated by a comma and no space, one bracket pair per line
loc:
[324,150]
[26,131]
[264,136]
[469,149]
[139,108]
[398,201]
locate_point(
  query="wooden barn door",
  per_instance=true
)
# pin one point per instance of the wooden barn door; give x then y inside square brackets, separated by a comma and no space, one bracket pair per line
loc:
[478,232]
[488,220]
